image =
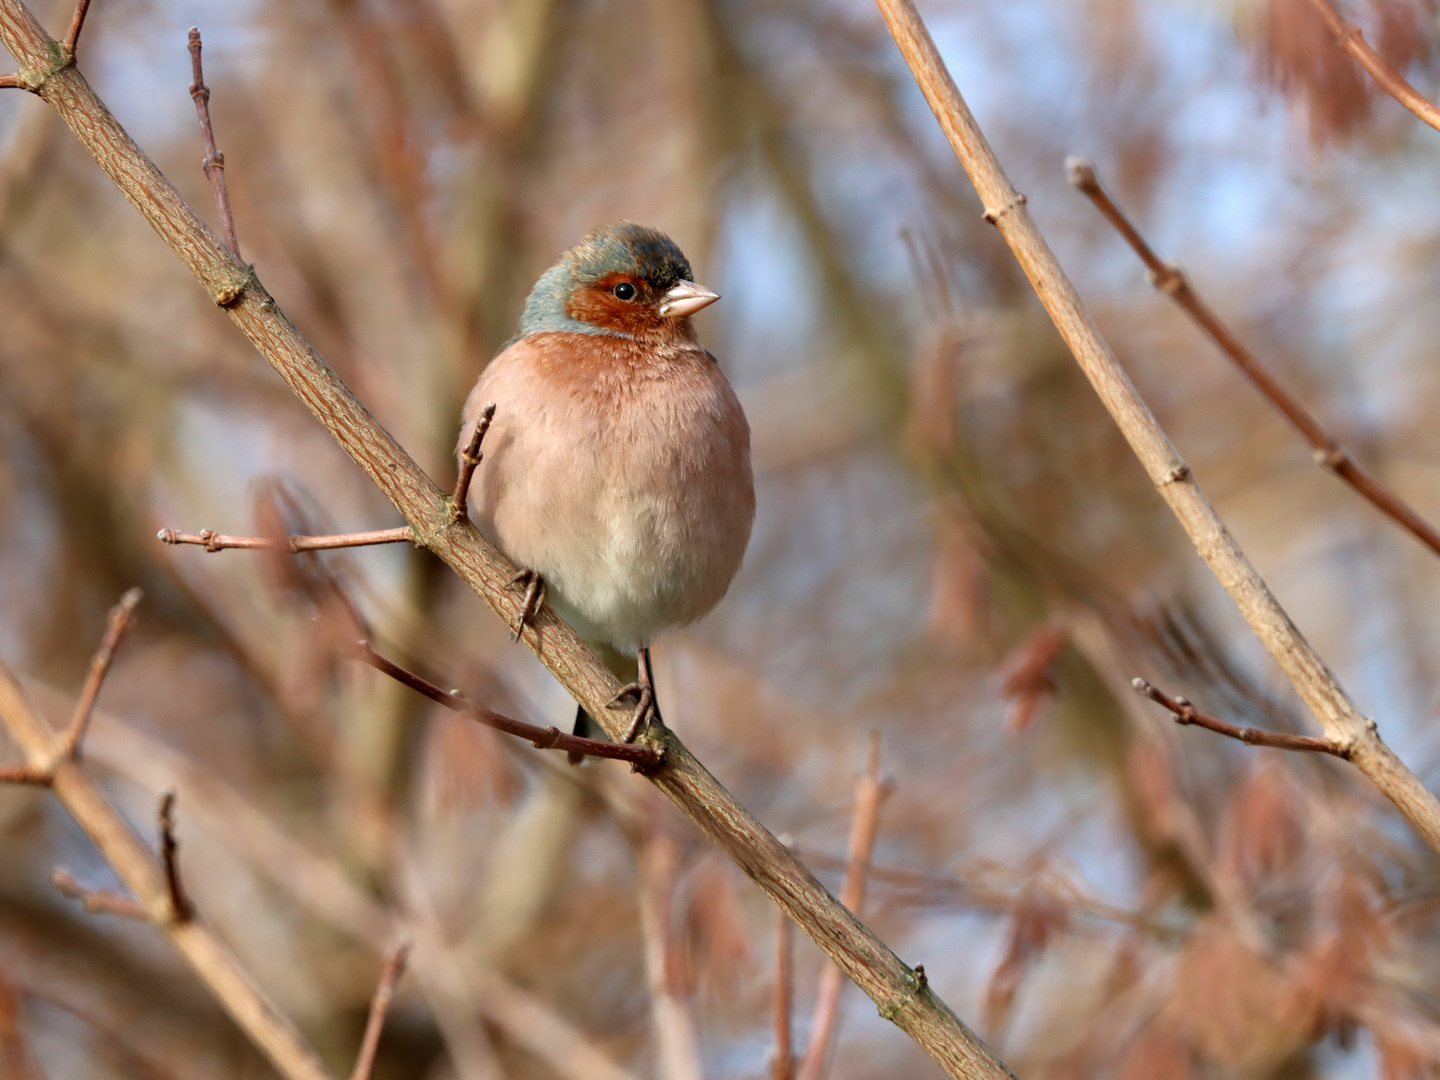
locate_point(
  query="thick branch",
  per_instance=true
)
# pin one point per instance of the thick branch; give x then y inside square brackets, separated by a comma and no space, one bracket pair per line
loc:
[1173,282]
[869,793]
[901,995]
[143,874]
[1390,80]
[1005,207]
[643,758]
[1186,713]
[210,540]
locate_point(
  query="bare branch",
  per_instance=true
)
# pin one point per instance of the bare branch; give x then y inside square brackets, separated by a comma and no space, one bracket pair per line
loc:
[214,161]
[379,1007]
[77,22]
[782,1064]
[1390,80]
[642,757]
[12,82]
[98,901]
[115,627]
[25,774]
[1186,713]
[180,907]
[1173,282]
[210,540]
[1307,672]
[869,793]
[679,1055]
[900,994]
[469,460]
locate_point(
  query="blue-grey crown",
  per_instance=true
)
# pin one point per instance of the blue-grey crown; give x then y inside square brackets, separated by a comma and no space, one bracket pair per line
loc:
[624,248]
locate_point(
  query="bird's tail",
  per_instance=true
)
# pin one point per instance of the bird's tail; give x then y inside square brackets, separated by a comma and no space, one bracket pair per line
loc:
[627,670]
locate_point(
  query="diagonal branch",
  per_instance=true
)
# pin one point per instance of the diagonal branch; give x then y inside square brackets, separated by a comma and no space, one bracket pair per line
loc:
[1174,283]
[1005,208]
[379,1009]
[115,627]
[1186,713]
[902,996]
[77,23]
[1390,80]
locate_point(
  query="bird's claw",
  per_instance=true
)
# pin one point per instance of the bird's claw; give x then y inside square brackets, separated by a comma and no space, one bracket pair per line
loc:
[534,597]
[644,708]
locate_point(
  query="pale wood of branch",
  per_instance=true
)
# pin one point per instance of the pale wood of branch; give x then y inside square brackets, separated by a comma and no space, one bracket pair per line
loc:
[141,871]
[1005,207]
[900,995]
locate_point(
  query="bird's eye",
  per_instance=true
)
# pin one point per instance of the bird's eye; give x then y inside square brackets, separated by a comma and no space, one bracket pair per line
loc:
[624,291]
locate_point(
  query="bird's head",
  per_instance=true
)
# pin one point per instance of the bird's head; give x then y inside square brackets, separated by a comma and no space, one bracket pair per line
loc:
[625,280]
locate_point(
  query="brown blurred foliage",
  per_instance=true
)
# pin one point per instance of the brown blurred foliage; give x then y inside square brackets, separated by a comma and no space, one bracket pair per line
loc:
[954,545]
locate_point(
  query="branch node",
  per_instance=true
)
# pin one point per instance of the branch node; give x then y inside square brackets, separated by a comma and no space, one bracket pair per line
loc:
[994,216]
[1330,457]
[1081,174]
[1178,474]
[1169,279]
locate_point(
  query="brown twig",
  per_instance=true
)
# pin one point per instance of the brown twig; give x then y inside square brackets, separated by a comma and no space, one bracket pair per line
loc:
[214,162]
[1174,283]
[1005,207]
[782,1064]
[11,82]
[1186,713]
[1390,80]
[115,627]
[77,22]
[869,793]
[901,996]
[642,757]
[469,460]
[379,1007]
[24,774]
[98,901]
[180,907]
[210,540]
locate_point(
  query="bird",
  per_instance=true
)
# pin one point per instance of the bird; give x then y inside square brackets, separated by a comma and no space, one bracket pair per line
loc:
[616,465]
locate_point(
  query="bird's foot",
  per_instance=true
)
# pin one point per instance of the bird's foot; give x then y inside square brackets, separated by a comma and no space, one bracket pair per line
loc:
[534,597]
[643,694]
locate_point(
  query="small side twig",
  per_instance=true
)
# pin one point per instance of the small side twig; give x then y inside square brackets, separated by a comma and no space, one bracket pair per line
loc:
[782,1064]
[1186,713]
[180,909]
[97,901]
[379,1008]
[115,627]
[24,774]
[214,162]
[1389,80]
[210,540]
[1172,281]
[643,758]
[77,21]
[869,794]
[11,82]
[469,461]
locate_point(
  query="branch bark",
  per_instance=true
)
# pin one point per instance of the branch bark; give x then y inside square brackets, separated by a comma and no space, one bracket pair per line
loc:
[1005,208]
[901,995]
[1390,80]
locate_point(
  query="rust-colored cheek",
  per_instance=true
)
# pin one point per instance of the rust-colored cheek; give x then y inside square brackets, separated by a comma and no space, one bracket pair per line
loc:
[598,306]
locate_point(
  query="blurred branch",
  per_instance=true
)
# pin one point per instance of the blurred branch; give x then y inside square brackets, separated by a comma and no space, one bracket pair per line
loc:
[210,540]
[1005,207]
[379,1008]
[869,793]
[97,901]
[1186,713]
[16,1060]
[674,1025]
[214,161]
[1173,282]
[1390,80]
[643,758]
[901,994]
[782,1065]
[180,907]
[216,967]
[115,627]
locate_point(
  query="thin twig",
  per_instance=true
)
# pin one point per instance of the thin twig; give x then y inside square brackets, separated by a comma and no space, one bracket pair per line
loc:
[24,774]
[1186,713]
[77,21]
[469,460]
[180,907]
[115,627]
[143,874]
[214,162]
[1005,207]
[1174,283]
[379,1007]
[210,540]
[642,757]
[899,993]
[11,82]
[1390,80]
[782,1064]
[98,901]
[869,793]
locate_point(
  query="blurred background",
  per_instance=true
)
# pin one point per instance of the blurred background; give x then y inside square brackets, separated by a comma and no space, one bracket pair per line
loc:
[954,547]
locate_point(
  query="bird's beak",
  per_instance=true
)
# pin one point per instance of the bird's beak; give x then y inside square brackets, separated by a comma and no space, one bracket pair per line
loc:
[686,298]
